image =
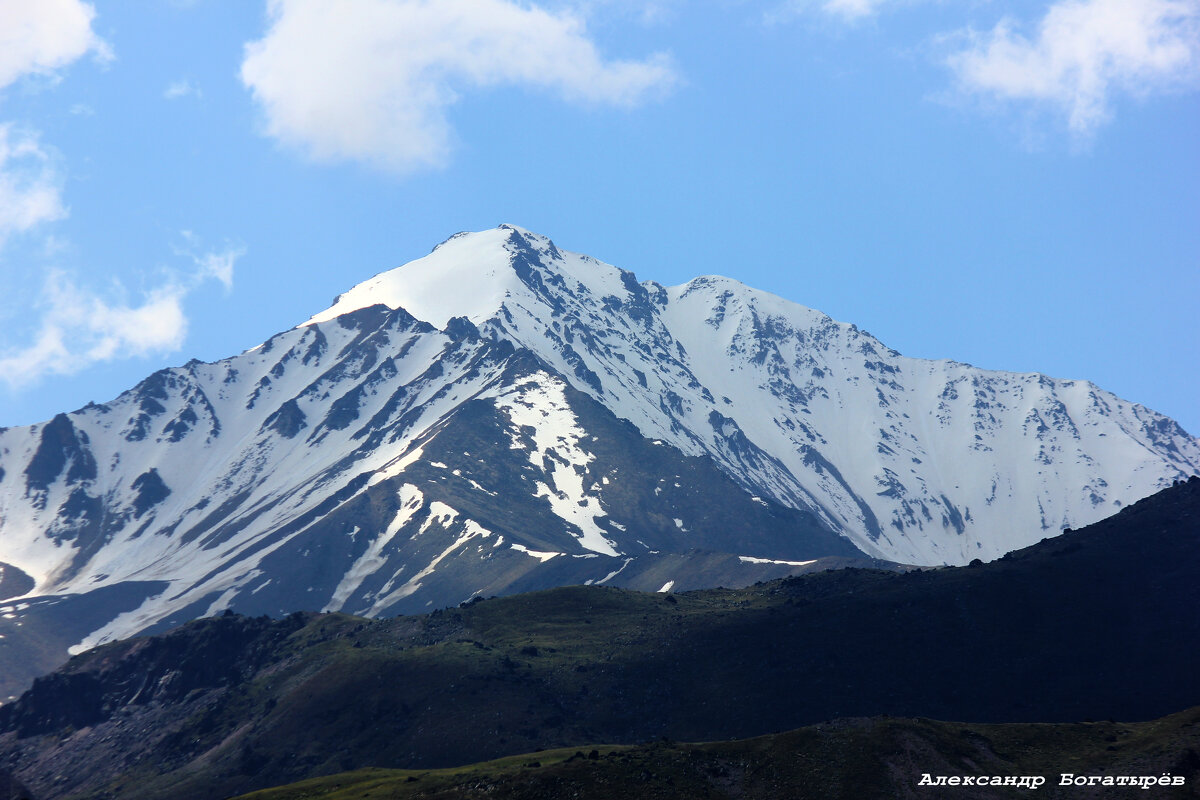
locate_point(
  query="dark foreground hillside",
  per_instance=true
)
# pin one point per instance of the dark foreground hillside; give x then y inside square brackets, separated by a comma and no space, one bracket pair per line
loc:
[854,759]
[1097,624]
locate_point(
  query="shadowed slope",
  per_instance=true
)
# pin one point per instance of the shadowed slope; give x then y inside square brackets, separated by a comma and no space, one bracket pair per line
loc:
[854,759]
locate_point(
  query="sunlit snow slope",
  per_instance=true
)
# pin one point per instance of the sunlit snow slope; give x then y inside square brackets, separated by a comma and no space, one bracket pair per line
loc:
[502,415]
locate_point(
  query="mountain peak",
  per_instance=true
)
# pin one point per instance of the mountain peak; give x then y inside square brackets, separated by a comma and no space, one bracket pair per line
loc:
[916,461]
[468,275]
[473,274]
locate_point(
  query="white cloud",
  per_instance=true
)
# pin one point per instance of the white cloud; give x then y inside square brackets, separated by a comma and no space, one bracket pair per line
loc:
[30,186]
[1085,51]
[36,38]
[372,80]
[78,329]
[41,36]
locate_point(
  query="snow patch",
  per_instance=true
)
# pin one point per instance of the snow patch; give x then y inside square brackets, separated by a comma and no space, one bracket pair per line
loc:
[372,559]
[540,403]
[612,574]
[397,466]
[389,596]
[440,514]
[753,560]
[540,556]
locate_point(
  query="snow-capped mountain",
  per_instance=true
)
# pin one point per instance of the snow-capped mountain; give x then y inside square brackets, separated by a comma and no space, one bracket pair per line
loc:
[503,415]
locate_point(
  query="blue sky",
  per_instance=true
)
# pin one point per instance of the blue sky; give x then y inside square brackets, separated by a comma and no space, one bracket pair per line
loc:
[1011,184]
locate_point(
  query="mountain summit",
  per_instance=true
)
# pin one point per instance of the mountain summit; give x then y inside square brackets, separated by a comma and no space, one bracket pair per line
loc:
[917,461]
[503,415]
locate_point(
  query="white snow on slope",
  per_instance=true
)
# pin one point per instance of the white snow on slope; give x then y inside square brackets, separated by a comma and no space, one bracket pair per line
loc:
[460,278]
[753,560]
[372,560]
[539,555]
[539,403]
[388,595]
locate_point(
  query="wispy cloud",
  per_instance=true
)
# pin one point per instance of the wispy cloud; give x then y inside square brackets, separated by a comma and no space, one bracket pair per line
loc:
[852,9]
[40,37]
[181,88]
[78,328]
[1084,52]
[30,185]
[214,264]
[846,10]
[372,80]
